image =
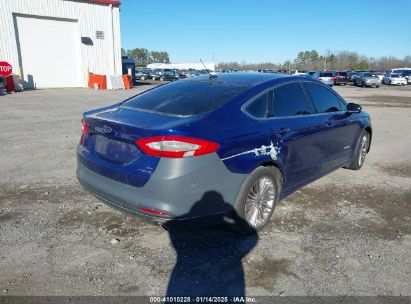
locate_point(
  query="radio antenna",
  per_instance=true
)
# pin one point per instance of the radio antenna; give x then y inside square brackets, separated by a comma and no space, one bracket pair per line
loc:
[211,76]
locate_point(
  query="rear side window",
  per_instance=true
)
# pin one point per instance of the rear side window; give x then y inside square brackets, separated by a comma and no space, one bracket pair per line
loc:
[186,97]
[289,100]
[259,107]
[323,99]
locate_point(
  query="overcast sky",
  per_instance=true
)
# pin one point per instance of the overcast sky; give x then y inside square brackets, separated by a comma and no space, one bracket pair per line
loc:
[265,30]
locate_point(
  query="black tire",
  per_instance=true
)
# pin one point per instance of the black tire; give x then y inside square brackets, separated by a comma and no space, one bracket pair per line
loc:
[363,84]
[377,86]
[358,157]
[240,220]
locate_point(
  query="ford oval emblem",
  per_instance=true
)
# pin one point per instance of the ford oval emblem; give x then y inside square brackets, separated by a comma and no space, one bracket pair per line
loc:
[104,129]
[107,129]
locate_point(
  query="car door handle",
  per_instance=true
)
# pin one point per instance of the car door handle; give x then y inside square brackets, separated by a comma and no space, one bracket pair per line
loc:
[282,131]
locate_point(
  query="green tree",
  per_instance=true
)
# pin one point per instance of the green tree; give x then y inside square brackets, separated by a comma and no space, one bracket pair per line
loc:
[314,60]
[288,65]
[160,57]
[299,61]
[141,56]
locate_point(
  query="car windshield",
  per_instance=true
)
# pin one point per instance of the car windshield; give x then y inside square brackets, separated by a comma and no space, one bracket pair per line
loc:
[395,75]
[187,97]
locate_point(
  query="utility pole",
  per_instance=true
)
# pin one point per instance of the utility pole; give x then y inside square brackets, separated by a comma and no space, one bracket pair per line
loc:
[213,62]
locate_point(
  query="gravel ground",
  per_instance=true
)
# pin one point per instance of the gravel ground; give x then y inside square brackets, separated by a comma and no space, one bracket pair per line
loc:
[348,233]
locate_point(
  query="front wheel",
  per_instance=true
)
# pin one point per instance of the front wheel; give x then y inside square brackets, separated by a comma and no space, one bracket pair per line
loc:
[256,200]
[361,151]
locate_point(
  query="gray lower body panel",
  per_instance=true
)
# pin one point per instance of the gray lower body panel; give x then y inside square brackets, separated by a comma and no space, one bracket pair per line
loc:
[184,188]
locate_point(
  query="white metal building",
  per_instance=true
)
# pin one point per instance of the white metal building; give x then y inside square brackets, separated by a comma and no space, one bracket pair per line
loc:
[54,43]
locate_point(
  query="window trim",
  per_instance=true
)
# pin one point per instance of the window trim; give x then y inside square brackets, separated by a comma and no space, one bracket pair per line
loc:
[245,105]
[250,101]
[314,111]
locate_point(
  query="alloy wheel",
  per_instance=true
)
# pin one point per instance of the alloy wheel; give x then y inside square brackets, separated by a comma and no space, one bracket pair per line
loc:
[363,149]
[260,202]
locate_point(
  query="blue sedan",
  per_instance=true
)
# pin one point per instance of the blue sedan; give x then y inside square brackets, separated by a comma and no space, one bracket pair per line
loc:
[250,138]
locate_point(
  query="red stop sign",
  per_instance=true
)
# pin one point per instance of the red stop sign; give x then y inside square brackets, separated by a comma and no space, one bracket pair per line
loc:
[5,69]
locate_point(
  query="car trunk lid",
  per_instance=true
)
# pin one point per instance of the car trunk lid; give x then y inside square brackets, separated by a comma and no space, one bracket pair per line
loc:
[109,144]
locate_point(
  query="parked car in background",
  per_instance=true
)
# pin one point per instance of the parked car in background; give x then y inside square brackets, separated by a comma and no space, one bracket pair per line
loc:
[407,75]
[300,72]
[197,73]
[169,76]
[325,77]
[3,90]
[367,79]
[340,78]
[352,75]
[156,74]
[267,71]
[394,79]
[152,156]
[143,73]
[181,75]
[380,75]
[399,70]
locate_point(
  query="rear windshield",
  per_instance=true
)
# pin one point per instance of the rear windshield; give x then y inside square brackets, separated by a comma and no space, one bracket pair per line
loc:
[395,75]
[326,74]
[186,97]
[341,73]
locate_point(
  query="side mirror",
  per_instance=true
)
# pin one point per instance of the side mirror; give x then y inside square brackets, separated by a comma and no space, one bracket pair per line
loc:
[353,108]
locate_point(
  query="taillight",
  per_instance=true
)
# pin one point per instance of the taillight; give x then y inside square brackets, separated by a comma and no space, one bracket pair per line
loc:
[176,146]
[319,78]
[84,128]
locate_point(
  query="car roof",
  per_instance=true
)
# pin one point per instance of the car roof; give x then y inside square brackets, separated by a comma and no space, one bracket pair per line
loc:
[250,79]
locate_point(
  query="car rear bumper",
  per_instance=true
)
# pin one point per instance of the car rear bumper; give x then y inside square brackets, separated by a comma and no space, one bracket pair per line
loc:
[328,82]
[179,188]
[340,81]
[372,84]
